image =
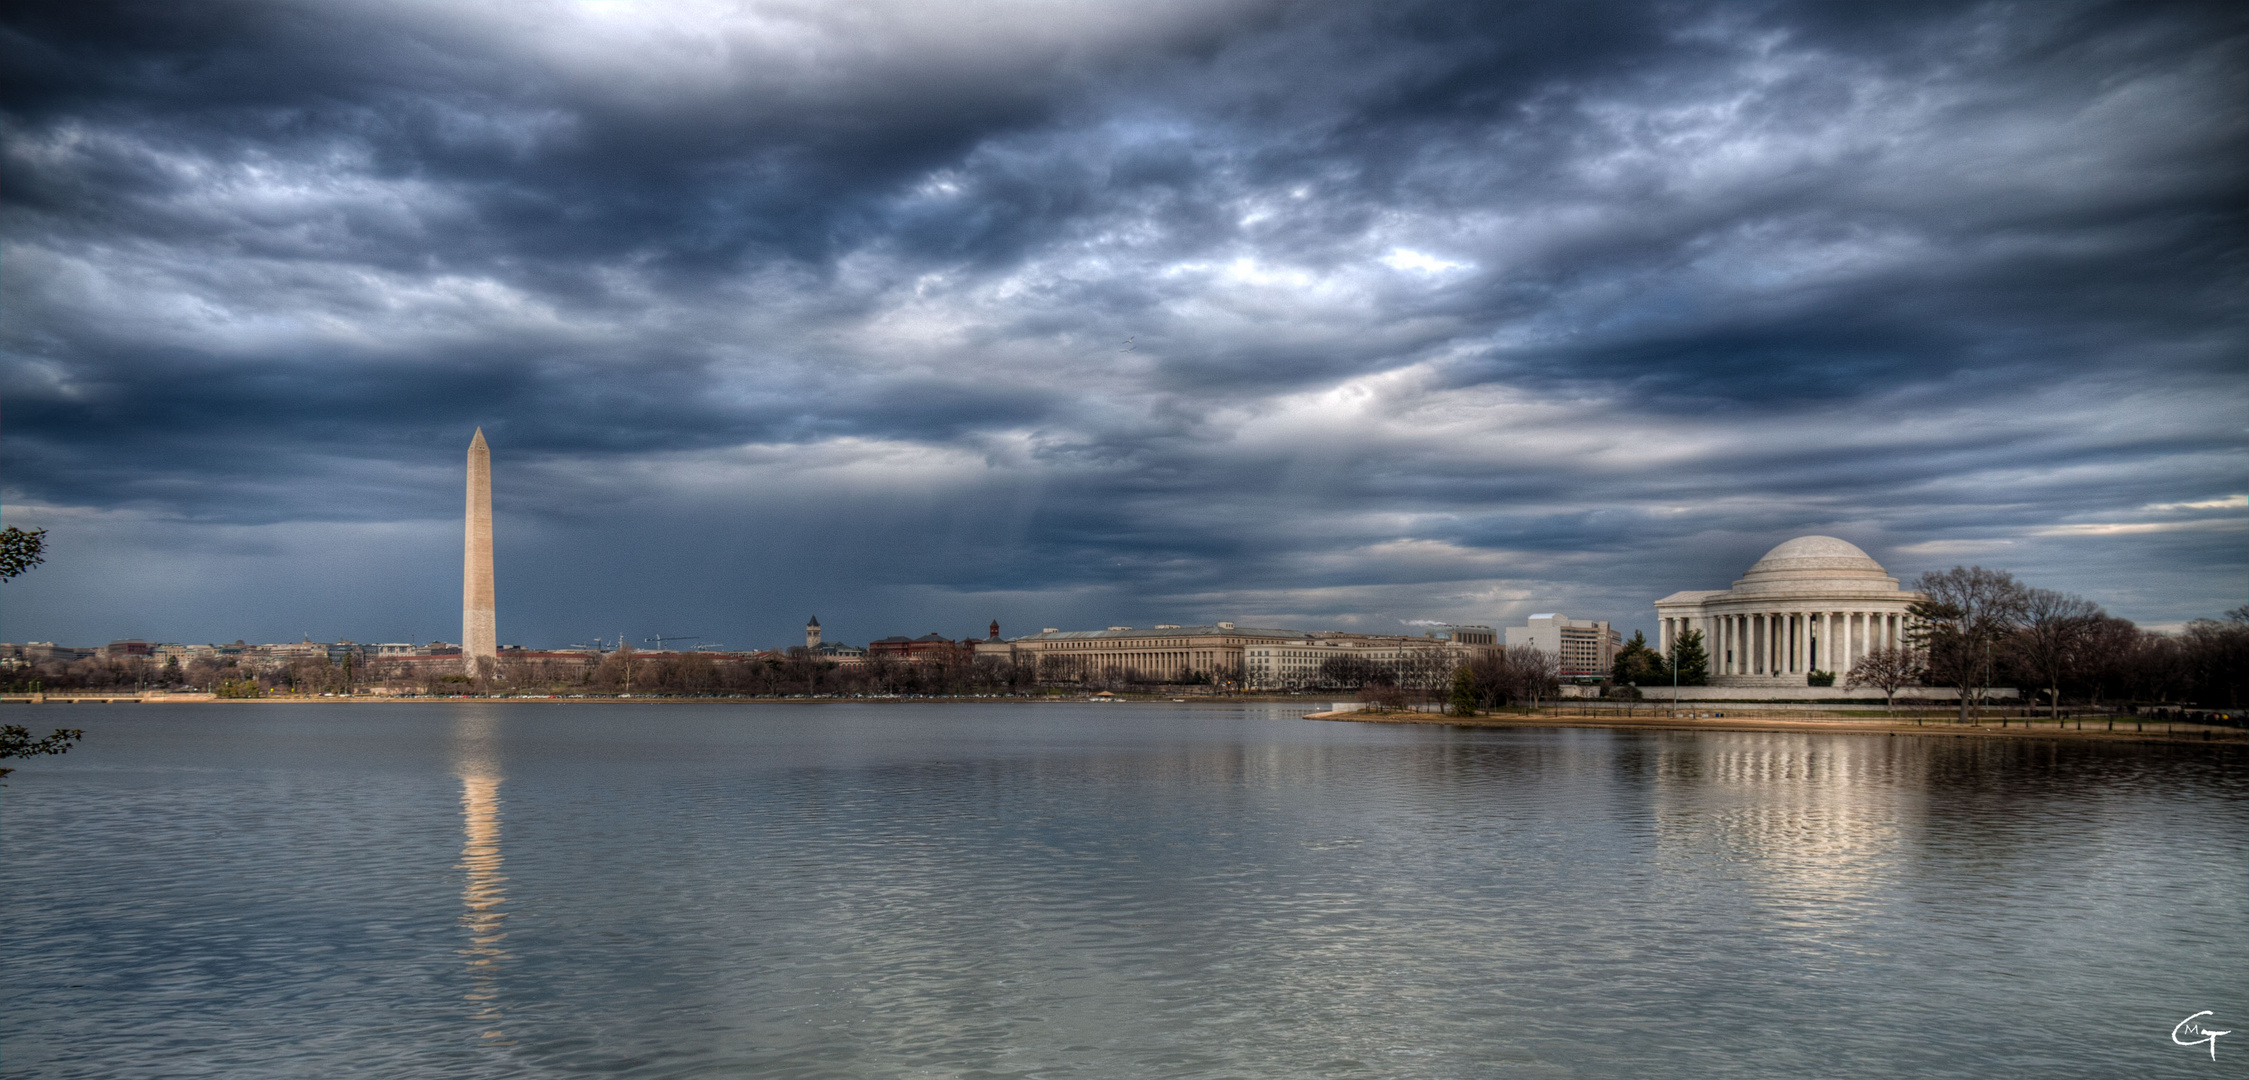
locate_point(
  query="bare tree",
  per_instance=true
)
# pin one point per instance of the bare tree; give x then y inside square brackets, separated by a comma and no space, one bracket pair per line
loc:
[2051,643]
[2117,658]
[2216,656]
[1349,672]
[1488,677]
[1230,677]
[1968,612]
[1533,673]
[1888,670]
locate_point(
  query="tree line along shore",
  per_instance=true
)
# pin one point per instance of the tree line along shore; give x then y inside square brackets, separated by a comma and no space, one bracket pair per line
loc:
[1975,630]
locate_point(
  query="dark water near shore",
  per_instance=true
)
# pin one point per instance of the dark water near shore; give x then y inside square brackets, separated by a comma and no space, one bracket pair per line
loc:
[1080,890]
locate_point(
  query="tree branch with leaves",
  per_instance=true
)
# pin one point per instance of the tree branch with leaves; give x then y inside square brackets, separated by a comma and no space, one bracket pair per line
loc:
[21,550]
[16,742]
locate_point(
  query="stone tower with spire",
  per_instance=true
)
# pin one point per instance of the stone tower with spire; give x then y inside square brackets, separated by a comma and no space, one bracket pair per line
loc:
[480,635]
[812,633]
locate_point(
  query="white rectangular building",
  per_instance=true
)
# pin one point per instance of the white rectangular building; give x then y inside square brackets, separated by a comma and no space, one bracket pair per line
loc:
[1582,647]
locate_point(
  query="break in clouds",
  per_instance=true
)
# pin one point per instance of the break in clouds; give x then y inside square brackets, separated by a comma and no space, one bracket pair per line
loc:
[917,315]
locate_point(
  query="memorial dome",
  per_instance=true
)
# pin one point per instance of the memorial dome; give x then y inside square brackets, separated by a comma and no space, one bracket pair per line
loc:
[1819,562]
[1816,553]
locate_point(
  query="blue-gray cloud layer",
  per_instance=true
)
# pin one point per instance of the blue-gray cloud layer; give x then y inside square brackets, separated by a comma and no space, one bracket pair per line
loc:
[919,314]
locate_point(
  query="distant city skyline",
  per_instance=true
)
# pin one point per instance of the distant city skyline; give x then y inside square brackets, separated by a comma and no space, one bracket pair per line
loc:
[1344,316]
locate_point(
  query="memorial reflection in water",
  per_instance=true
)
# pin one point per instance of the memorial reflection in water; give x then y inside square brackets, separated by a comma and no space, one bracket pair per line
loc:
[1815,819]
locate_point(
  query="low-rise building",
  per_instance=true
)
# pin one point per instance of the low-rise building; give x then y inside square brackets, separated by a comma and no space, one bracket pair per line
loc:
[1165,652]
[840,654]
[929,648]
[168,651]
[40,652]
[1418,662]
[1254,658]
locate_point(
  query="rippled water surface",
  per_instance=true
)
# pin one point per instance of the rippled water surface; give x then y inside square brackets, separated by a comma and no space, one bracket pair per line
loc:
[1109,891]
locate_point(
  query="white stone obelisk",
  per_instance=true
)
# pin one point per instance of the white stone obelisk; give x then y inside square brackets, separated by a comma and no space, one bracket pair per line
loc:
[480,636]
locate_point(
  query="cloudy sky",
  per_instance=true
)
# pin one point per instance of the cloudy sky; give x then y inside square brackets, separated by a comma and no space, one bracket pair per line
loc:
[919,314]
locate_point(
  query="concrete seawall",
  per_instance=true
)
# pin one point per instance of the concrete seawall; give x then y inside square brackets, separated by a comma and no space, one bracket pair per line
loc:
[145,697]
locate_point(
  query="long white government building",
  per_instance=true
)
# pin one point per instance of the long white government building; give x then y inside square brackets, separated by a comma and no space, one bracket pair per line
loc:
[1814,603]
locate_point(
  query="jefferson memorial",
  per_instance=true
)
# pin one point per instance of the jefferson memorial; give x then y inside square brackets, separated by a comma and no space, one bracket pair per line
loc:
[1814,603]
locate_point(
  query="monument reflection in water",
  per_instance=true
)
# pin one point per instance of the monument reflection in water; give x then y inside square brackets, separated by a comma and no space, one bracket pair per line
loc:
[483,886]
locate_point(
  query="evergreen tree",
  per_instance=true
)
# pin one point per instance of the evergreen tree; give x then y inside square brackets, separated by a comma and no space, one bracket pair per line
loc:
[1463,692]
[1637,664]
[1692,660]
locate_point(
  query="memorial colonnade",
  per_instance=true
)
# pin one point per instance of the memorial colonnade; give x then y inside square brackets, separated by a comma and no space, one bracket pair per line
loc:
[1787,641]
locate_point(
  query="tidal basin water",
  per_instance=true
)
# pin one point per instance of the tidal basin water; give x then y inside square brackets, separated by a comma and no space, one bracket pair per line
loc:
[998,890]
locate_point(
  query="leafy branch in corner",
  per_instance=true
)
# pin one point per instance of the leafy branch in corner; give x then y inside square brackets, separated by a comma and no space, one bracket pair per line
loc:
[20,550]
[16,742]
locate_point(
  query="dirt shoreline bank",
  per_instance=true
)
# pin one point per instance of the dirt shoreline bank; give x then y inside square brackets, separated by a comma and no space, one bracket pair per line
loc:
[2179,733]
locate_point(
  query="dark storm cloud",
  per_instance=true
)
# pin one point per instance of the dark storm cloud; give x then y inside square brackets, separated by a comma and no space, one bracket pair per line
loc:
[1316,312]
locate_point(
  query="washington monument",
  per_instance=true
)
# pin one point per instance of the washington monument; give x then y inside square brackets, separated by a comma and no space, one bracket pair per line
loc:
[480,636]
